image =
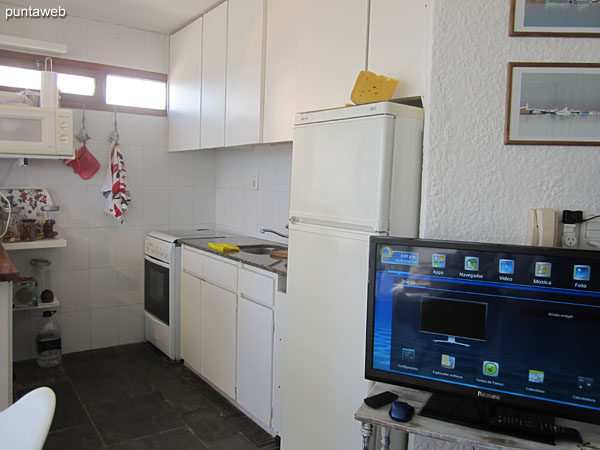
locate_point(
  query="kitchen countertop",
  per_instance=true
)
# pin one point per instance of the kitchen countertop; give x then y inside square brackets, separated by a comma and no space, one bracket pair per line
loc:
[265,262]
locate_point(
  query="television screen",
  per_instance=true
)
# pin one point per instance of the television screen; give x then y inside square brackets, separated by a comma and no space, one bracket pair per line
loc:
[514,325]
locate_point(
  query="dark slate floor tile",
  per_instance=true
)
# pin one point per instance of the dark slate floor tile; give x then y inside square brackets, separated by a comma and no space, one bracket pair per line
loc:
[133,418]
[102,382]
[27,374]
[82,437]
[68,412]
[178,439]
[184,395]
[234,442]
[209,425]
[91,356]
[255,434]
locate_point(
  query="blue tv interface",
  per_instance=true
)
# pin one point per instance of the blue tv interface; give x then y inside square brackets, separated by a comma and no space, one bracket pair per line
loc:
[514,320]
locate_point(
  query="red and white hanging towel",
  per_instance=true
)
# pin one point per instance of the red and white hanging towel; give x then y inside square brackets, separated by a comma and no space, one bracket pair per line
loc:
[115,184]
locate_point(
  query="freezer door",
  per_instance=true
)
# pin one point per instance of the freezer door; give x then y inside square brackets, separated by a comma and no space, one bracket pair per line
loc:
[324,338]
[341,173]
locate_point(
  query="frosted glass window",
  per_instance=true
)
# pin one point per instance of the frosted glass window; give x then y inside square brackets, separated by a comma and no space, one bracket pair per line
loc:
[30,79]
[136,92]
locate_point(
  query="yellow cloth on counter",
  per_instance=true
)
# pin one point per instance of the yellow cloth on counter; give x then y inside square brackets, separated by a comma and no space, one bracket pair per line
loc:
[224,247]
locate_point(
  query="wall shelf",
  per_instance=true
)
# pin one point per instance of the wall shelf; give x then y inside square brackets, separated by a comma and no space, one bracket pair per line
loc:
[52,304]
[44,243]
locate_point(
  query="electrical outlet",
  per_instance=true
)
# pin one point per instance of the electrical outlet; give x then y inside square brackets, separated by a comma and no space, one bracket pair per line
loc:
[255,181]
[570,235]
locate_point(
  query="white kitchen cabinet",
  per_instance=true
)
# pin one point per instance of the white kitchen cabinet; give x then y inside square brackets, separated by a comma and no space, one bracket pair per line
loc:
[332,50]
[244,88]
[280,70]
[218,344]
[255,359]
[398,43]
[185,87]
[191,318]
[214,71]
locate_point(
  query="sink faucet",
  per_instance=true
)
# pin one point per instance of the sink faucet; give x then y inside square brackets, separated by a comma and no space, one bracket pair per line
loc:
[267,230]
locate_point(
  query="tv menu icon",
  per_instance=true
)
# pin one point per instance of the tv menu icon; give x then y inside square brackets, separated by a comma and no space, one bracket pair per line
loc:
[448,362]
[491,368]
[438,260]
[536,376]
[543,269]
[471,263]
[581,273]
[408,354]
[507,266]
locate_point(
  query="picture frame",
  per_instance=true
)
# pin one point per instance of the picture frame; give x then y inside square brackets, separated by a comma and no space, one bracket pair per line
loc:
[553,104]
[555,18]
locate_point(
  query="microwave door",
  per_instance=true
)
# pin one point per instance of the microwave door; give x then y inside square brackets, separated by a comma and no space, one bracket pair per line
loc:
[33,132]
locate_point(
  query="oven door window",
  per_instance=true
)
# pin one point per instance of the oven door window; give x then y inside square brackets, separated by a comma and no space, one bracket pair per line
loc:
[156,291]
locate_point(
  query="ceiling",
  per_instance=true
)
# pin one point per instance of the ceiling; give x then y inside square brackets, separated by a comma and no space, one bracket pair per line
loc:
[152,15]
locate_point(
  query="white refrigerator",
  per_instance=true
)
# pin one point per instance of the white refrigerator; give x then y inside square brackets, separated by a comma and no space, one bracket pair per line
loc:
[356,171]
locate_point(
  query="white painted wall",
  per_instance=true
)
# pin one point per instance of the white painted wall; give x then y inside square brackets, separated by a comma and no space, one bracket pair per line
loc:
[98,277]
[475,187]
[241,209]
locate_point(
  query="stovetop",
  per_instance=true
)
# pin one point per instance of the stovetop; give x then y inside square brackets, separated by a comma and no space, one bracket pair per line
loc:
[175,235]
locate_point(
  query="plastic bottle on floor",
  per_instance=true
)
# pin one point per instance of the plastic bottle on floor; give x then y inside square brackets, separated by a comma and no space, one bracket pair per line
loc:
[48,342]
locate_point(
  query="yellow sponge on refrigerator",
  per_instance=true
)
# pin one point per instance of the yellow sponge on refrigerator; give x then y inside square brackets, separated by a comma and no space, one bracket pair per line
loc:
[370,87]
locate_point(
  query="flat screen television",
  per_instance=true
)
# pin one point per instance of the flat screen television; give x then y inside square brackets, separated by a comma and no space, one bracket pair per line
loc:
[486,327]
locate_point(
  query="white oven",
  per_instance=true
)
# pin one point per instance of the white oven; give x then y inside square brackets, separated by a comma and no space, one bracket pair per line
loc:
[162,280]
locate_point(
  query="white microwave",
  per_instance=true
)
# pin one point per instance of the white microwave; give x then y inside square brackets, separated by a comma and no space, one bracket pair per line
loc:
[31,132]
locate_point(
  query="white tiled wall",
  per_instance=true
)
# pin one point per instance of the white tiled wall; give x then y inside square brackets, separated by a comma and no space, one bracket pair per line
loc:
[244,210]
[98,277]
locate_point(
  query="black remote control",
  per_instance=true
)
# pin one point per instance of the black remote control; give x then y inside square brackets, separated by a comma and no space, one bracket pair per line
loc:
[379,400]
[536,428]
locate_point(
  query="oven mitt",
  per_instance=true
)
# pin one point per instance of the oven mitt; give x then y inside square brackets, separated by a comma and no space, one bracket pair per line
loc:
[84,164]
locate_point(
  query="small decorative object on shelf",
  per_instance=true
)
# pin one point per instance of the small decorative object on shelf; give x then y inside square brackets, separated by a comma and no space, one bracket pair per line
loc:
[48,226]
[28,230]
[24,293]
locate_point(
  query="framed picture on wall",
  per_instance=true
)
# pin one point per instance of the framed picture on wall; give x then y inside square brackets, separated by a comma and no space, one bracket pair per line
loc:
[553,104]
[566,18]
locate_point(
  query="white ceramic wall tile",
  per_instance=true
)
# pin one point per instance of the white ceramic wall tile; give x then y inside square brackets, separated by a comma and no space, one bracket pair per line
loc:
[76,331]
[103,285]
[74,290]
[181,201]
[249,206]
[103,247]
[156,206]
[130,248]
[130,129]
[76,254]
[100,125]
[236,168]
[105,327]
[102,42]
[181,169]
[132,155]
[43,172]
[73,31]
[204,204]
[156,52]
[204,163]
[131,324]
[13,174]
[130,47]
[155,130]
[130,285]
[73,207]
[155,166]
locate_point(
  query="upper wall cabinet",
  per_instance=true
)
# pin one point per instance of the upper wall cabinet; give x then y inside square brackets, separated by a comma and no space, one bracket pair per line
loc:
[214,71]
[332,50]
[245,61]
[185,87]
[280,70]
[398,43]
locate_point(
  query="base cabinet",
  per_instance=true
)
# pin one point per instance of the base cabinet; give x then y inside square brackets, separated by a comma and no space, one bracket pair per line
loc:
[255,359]
[191,316]
[218,337]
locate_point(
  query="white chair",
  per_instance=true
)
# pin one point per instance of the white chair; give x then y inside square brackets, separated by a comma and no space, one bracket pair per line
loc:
[24,425]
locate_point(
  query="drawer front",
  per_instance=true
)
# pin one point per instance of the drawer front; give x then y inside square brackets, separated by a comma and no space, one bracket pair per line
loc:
[191,262]
[211,268]
[257,286]
[220,272]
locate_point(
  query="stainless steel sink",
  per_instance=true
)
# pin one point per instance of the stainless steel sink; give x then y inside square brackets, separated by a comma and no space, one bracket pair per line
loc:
[263,249]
